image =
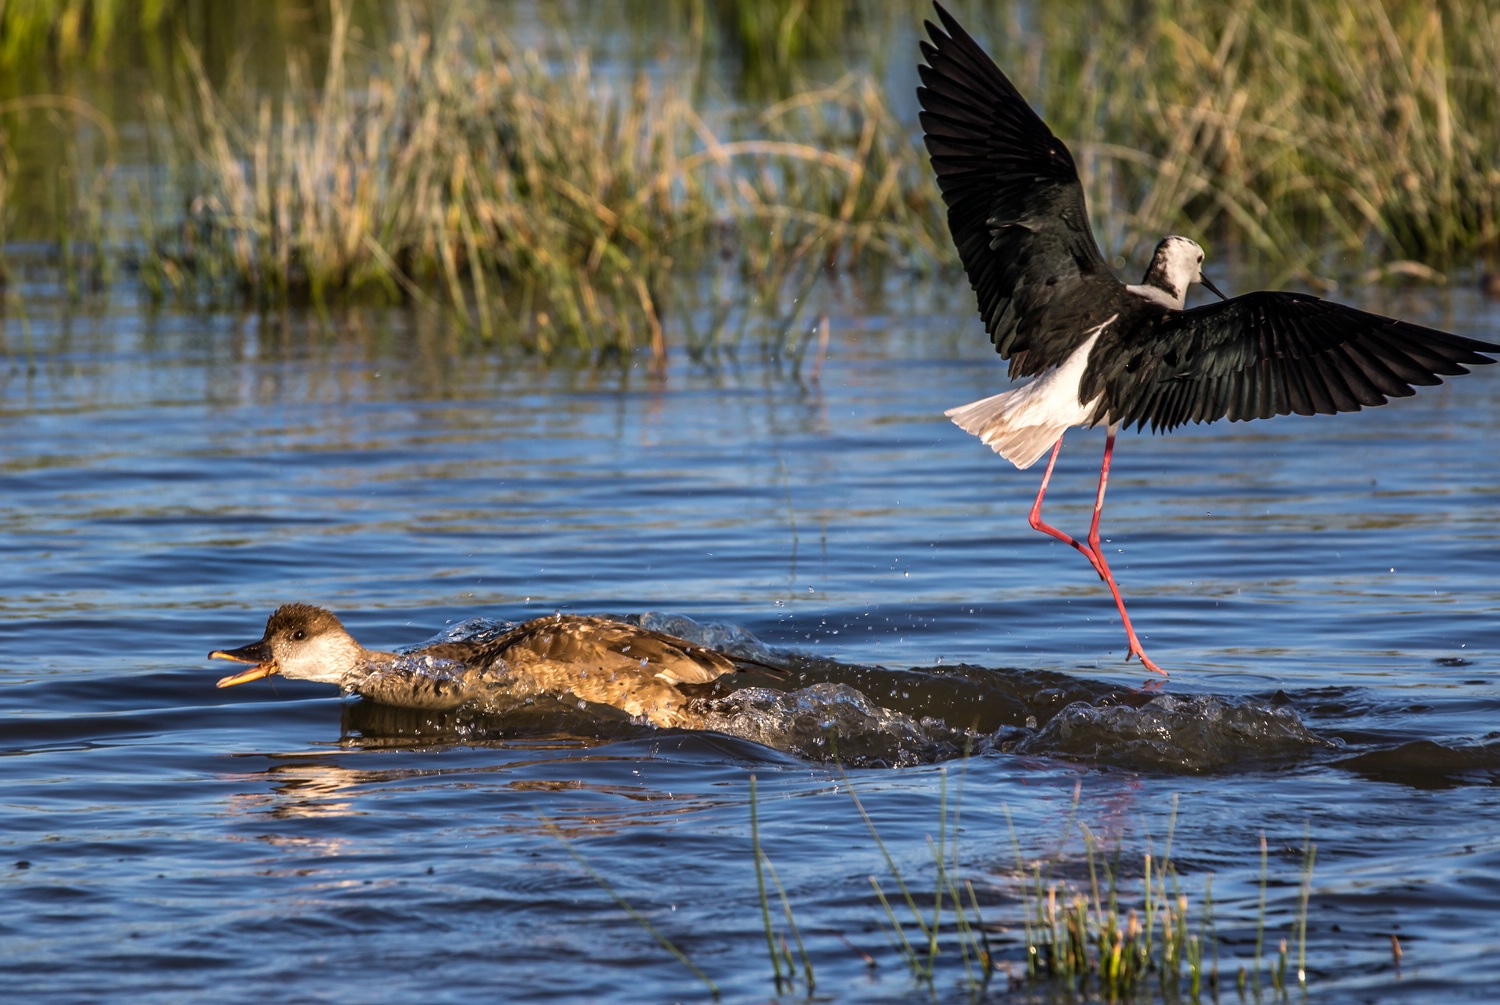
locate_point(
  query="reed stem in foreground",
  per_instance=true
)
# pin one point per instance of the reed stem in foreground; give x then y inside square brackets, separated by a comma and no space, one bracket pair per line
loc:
[760,885]
[625,905]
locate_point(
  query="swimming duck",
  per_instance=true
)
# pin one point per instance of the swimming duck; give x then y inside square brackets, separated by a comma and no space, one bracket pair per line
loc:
[594,659]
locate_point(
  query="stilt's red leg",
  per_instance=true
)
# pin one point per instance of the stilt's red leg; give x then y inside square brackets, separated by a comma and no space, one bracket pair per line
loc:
[1102,567]
[1037,523]
[1091,551]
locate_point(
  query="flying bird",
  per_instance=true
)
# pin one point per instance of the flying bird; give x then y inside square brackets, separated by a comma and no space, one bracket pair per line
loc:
[1100,351]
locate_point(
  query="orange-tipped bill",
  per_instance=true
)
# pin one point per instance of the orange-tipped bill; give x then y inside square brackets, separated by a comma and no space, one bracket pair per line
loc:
[258,653]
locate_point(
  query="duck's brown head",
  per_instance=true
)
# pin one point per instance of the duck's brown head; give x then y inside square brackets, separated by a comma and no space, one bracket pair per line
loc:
[302,642]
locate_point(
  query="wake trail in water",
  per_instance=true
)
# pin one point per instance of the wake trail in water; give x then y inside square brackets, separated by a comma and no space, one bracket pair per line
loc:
[871,716]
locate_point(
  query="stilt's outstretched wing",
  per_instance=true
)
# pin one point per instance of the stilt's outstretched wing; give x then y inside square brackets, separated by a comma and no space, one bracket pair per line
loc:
[1271,353]
[1015,205]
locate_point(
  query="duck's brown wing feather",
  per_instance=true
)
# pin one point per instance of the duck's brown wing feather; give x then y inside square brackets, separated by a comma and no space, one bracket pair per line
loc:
[587,641]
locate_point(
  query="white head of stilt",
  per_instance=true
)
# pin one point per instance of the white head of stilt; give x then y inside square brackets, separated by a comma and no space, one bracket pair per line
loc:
[1176,265]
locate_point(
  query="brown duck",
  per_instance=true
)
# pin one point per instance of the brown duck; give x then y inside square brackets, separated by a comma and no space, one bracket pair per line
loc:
[595,659]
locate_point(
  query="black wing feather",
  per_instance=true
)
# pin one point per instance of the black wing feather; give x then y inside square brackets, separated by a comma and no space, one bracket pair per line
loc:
[1265,354]
[1015,205]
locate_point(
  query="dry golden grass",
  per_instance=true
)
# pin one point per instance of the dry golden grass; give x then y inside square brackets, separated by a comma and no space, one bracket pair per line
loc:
[1331,138]
[542,202]
[549,207]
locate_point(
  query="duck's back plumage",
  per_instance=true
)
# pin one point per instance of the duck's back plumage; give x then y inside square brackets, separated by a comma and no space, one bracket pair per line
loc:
[600,660]
[584,641]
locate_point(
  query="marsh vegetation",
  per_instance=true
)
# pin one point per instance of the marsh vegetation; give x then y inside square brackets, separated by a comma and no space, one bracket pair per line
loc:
[545,194]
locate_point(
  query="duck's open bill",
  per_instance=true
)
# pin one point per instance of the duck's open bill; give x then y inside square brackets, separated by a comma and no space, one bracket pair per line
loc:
[256,652]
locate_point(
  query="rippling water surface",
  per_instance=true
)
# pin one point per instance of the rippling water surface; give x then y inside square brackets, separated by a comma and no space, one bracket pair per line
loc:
[1324,590]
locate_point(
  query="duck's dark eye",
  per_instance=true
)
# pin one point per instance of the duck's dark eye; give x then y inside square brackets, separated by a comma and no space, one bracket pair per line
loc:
[298,635]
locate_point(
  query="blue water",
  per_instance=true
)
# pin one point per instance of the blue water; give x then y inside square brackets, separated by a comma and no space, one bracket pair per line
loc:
[169,478]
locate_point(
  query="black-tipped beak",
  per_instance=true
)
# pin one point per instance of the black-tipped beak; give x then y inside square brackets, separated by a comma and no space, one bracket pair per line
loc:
[1210,284]
[258,653]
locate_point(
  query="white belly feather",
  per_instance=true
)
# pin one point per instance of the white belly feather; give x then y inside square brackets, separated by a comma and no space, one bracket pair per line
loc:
[1022,424]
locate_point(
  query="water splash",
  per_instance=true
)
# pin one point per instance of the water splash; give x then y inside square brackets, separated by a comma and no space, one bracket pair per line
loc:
[831,721]
[726,638]
[1167,733]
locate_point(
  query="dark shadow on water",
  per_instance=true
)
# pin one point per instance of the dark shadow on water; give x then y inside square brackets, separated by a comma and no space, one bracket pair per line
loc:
[871,716]
[1429,765]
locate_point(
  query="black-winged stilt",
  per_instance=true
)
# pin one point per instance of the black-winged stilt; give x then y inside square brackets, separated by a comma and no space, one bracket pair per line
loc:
[1102,351]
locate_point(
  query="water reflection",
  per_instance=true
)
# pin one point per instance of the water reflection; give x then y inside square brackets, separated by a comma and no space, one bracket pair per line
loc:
[303,788]
[585,794]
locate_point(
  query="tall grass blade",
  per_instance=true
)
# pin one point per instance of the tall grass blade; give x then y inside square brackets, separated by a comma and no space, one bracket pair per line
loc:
[760,885]
[907,951]
[1260,917]
[791,923]
[1309,857]
[625,905]
[890,862]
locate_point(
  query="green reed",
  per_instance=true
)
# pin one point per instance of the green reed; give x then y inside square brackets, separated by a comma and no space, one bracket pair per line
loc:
[760,885]
[1099,940]
[783,955]
[563,204]
[1112,938]
[63,29]
[968,931]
